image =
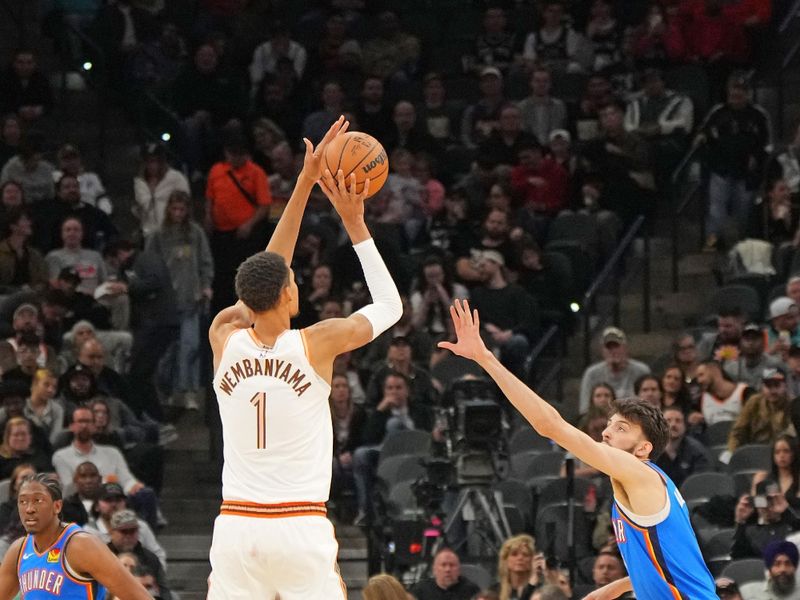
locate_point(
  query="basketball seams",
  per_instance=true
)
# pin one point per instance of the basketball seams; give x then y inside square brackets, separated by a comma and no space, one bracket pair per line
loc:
[366,156]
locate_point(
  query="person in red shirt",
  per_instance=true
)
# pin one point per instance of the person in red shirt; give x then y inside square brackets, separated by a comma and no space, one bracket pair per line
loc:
[237,206]
[543,186]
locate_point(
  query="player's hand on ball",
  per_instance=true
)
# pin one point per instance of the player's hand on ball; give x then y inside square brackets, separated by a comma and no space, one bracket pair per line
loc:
[312,163]
[347,202]
[468,332]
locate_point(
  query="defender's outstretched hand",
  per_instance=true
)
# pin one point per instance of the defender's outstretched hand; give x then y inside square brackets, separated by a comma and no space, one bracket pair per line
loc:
[467,325]
[312,163]
[347,202]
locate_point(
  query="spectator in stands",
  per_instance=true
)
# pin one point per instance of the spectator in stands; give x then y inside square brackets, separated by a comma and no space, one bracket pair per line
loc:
[550,592]
[510,316]
[27,352]
[21,265]
[683,455]
[543,186]
[12,197]
[752,360]
[265,135]
[766,415]
[783,330]
[780,559]
[439,117]
[77,508]
[400,359]
[87,262]
[757,526]
[282,178]
[722,398]
[621,160]
[658,40]
[18,448]
[97,230]
[183,247]
[237,202]
[784,470]
[648,388]
[432,297]
[384,587]
[724,344]
[9,510]
[276,101]
[153,185]
[30,170]
[664,118]
[605,34]
[348,432]
[157,62]
[145,278]
[372,111]
[493,236]
[598,94]
[714,38]
[495,45]
[280,46]
[12,398]
[519,568]
[10,137]
[393,55]
[616,368]
[555,44]
[736,135]
[481,118]
[608,567]
[676,391]
[542,113]
[81,306]
[24,89]
[793,288]
[41,408]
[93,192]
[406,132]
[125,538]
[785,165]
[317,123]
[503,145]
[538,277]
[394,412]
[446,581]
[727,589]
[780,217]
[109,462]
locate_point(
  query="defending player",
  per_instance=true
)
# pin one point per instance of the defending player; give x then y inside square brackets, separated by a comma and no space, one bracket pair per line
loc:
[59,560]
[272,385]
[649,516]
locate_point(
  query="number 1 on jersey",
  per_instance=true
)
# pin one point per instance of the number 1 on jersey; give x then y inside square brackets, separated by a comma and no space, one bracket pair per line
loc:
[259,400]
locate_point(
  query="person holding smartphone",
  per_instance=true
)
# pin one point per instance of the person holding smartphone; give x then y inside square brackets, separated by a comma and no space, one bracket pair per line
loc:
[760,519]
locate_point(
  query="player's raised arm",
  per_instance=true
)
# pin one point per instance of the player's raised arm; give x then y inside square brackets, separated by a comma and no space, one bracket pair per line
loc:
[545,419]
[86,554]
[334,336]
[284,238]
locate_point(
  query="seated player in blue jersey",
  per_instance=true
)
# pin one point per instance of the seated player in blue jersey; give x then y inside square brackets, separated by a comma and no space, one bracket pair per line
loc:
[57,559]
[649,516]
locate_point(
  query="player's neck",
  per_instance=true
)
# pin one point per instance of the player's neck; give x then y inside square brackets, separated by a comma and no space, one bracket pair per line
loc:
[269,325]
[47,537]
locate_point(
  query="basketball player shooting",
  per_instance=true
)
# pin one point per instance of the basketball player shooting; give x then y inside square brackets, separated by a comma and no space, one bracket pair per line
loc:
[272,385]
[649,516]
[60,560]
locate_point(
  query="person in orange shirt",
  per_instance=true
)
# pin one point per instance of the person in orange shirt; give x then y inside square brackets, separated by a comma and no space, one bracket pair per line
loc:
[237,207]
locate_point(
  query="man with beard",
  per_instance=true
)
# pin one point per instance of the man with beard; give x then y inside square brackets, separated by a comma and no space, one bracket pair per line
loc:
[25,322]
[77,508]
[493,236]
[50,214]
[766,415]
[109,462]
[780,558]
[752,359]
[722,398]
[683,454]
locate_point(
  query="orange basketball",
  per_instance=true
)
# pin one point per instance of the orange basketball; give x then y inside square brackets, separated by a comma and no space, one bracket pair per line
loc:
[359,153]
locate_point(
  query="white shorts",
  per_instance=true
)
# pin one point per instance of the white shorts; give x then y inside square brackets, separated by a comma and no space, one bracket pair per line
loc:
[256,557]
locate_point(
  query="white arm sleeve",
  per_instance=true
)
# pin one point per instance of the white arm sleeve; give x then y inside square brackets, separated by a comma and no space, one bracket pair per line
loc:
[386,308]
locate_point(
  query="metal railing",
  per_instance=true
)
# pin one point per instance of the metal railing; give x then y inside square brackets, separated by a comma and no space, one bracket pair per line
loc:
[555,372]
[151,105]
[588,304]
[786,61]
[681,199]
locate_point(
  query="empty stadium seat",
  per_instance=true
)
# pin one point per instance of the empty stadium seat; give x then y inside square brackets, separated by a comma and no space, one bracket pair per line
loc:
[700,487]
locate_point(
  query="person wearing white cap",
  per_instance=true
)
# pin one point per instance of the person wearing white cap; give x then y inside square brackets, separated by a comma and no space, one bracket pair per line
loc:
[616,369]
[783,330]
[541,113]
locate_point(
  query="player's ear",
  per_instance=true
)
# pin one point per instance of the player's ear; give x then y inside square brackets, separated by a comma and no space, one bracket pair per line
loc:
[58,505]
[644,449]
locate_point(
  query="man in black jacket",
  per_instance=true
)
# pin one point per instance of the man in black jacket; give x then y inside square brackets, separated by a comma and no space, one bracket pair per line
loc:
[77,507]
[446,583]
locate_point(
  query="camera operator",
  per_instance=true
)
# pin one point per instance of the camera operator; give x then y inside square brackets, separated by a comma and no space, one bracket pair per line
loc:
[760,519]
[393,413]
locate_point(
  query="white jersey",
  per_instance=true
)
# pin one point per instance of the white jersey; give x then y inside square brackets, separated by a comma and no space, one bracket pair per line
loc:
[723,409]
[276,423]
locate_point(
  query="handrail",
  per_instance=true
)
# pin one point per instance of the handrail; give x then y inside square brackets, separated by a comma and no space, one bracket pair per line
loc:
[89,41]
[605,274]
[165,111]
[544,341]
[791,14]
[676,214]
[685,162]
[787,60]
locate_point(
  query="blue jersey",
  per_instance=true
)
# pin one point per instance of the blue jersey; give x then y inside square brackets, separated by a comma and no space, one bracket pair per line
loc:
[661,551]
[46,575]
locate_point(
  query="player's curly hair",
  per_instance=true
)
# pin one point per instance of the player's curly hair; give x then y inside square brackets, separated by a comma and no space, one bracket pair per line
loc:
[649,418]
[260,279]
[49,481]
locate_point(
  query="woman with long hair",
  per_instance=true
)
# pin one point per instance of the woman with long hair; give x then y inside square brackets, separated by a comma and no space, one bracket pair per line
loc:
[784,470]
[348,432]
[519,568]
[384,587]
[17,448]
[183,245]
[685,355]
[432,296]
[21,265]
[648,387]
[153,186]
[8,509]
[676,392]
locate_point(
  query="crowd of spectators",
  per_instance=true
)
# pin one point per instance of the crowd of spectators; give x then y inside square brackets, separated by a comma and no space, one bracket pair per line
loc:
[505,123]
